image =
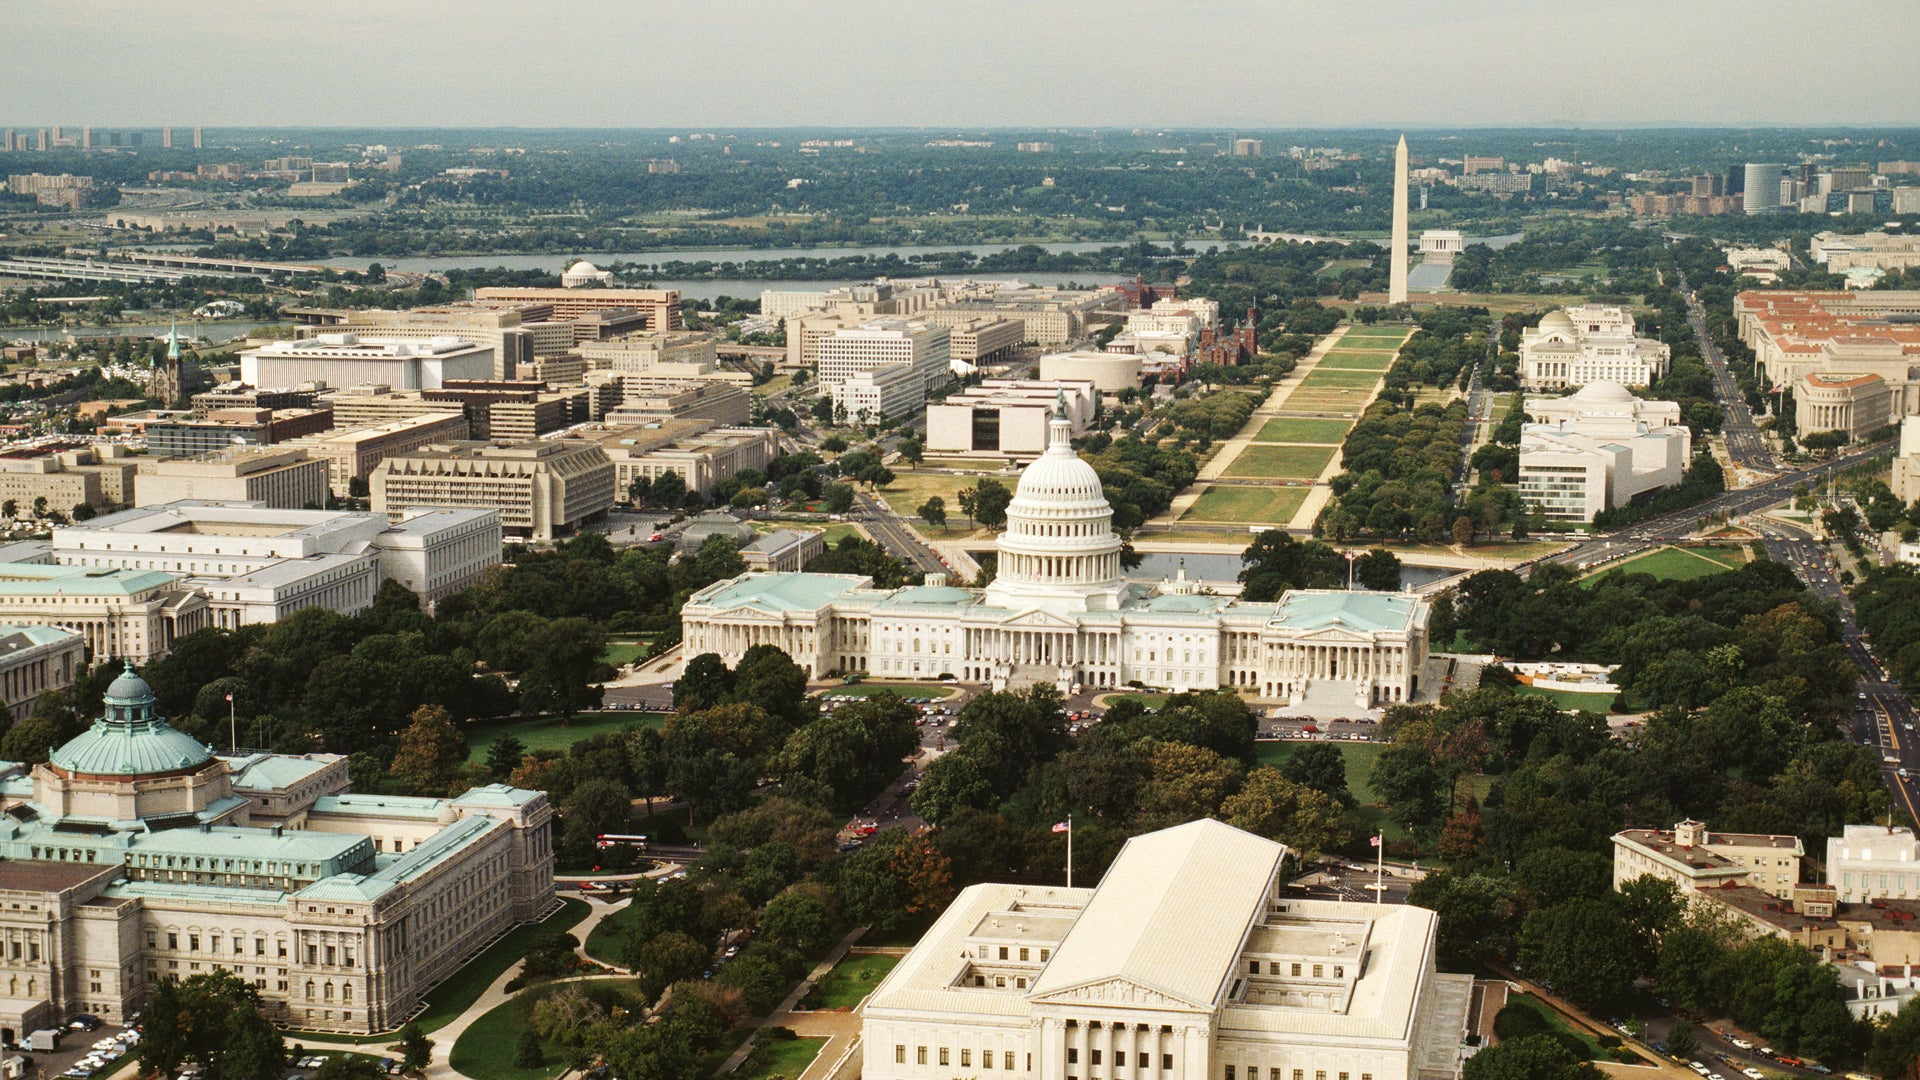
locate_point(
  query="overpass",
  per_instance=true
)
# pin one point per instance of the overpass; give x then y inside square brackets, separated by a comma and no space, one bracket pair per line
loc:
[89,270]
[224,267]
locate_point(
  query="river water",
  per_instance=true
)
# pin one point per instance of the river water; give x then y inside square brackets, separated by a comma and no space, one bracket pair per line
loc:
[554,263]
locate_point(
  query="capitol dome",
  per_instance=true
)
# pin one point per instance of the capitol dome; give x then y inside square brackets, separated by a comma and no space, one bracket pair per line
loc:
[130,739]
[1059,550]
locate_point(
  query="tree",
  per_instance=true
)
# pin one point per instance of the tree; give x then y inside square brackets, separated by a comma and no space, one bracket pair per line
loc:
[212,1019]
[430,751]
[1413,790]
[1463,531]
[934,511]
[1184,783]
[416,1050]
[349,1067]
[1682,1041]
[665,959]
[1276,562]
[990,499]
[505,755]
[1583,947]
[1378,570]
[913,450]
[527,1053]
[797,920]
[837,498]
[1269,804]
[1320,766]
[1531,1057]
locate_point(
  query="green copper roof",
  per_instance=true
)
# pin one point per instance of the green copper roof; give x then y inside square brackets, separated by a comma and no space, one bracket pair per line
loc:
[779,592]
[130,740]
[1360,611]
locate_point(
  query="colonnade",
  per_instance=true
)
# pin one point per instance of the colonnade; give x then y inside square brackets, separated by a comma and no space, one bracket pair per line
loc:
[1139,1051]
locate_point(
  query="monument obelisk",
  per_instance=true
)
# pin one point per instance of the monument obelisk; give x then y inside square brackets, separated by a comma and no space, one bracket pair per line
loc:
[1397,259]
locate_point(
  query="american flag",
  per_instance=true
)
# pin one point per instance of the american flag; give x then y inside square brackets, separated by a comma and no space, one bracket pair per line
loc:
[1374,840]
[1063,826]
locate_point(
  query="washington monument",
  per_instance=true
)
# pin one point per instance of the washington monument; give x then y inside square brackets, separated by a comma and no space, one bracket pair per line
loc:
[1397,256]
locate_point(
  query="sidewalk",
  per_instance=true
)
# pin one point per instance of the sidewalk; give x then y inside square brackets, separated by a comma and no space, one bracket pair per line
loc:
[782,1013]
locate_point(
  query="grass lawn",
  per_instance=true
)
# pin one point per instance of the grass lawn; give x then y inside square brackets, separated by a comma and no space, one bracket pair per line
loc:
[1359,758]
[1319,400]
[1253,505]
[548,733]
[1735,557]
[1342,358]
[1555,1021]
[1571,700]
[868,689]
[464,987]
[485,1051]
[1266,461]
[839,531]
[623,652]
[1288,430]
[910,489]
[776,1059]
[1668,564]
[774,385]
[1363,333]
[851,980]
[1326,377]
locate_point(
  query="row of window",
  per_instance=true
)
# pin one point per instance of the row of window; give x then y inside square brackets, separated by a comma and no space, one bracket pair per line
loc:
[1253,1073]
[1274,966]
[966,1057]
[1143,1060]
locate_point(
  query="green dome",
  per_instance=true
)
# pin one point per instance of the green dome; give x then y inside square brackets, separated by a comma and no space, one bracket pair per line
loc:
[131,739]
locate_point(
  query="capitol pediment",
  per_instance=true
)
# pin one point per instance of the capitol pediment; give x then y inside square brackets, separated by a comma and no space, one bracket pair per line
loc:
[1334,635]
[1118,992]
[1039,619]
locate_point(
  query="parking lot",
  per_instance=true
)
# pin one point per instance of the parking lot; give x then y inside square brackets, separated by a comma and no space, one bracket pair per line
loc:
[81,1053]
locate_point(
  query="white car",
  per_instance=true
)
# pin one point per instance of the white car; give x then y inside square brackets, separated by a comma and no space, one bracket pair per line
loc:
[1753,1072]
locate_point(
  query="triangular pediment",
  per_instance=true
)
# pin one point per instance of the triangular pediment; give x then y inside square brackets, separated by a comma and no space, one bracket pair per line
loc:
[1336,635]
[1038,619]
[1120,992]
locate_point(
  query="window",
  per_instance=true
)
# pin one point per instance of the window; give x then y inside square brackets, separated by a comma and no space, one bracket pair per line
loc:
[920,1057]
[986,1059]
[1166,1062]
[1006,1060]
[173,941]
[1044,954]
[966,1058]
[1229,1072]
[1319,970]
[1253,967]
[1000,982]
[943,1059]
[1073,1055]
[1003,952]
[1296,971]
[900,1053]
[1023,954]
[979,980]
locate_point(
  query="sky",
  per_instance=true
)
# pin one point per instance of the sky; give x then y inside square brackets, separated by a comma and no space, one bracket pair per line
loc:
[958,63]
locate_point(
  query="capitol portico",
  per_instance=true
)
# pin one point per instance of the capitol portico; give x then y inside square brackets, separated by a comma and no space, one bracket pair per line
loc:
[1061,611]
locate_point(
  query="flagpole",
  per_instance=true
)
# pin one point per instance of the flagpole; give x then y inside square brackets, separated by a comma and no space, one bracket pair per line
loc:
[1069,851]
[1379,865]
[233,730]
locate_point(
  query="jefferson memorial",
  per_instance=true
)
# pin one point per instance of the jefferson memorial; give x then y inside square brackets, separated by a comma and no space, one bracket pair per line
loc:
[1061,612]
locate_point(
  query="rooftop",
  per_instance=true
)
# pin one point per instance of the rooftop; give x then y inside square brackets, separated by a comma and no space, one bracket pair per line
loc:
[1366,612]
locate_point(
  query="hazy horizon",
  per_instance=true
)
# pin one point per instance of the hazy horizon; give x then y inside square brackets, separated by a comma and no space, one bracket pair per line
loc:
[985,65]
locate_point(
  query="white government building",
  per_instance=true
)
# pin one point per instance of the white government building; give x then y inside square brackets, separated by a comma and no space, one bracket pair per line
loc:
[1589,343]
[1059,611]
[136,854]
[1187,962]
[1597,448]
[257,564]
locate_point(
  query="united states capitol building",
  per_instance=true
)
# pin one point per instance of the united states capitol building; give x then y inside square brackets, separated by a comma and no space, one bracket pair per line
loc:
[137,854]
[1060,611]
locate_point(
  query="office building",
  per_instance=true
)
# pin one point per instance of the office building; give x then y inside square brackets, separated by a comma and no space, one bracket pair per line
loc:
[868,397]
[701,451]
[1851,332]
[238,395]
[1187,960]
[136,854]
[347,359]
[1874,862]
[514,409]
[1905,481]
[1840,252]
[1854,403]
[258,565]
[1762,264]
[1060,612]
[541,489]
[1589,343]
[504,330]
[99,476]
[35,660]
[977,342]
[373,404]
[645,352]
[1694,858]
[1247,148]
[1046,316]
[352,453]
[218,429]
[277,477]
[783,551]
[1108,372]
[136,614]
[1761,189]
[1597,449]
[645,401]
[659,307]
[884,343]
[1006,418]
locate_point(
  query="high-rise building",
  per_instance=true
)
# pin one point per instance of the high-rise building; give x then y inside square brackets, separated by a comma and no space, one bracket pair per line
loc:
[166,138]
[86,138]
[1397,256]
[1247,147]
[1761,188]
[43,140]
[8,144]
[198,142]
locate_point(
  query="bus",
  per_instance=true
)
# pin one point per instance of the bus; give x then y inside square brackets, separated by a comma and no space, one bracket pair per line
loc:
[607,840]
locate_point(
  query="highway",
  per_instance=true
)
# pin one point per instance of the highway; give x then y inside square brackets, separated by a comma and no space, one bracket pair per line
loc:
[1745,444]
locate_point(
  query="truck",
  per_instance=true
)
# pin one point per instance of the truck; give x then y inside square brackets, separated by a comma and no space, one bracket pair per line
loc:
[46,1039]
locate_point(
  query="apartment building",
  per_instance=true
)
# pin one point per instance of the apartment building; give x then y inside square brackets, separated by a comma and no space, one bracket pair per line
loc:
[1694,858]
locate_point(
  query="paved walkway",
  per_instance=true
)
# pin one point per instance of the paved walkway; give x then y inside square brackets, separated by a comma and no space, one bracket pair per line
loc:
[783,1015]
